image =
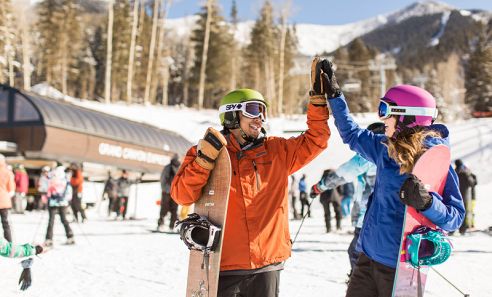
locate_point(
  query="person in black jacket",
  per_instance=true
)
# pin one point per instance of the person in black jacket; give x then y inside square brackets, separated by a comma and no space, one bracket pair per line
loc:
[466,182]
[167,203]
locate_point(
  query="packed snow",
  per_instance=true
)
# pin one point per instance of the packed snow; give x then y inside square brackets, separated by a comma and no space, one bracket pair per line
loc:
[123,258]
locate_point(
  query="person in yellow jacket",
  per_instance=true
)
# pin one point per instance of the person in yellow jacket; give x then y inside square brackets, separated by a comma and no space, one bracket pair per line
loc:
[256,239]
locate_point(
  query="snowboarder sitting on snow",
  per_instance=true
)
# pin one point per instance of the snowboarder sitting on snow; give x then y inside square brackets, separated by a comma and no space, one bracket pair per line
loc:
[8,250]
[256,239]
[408,113]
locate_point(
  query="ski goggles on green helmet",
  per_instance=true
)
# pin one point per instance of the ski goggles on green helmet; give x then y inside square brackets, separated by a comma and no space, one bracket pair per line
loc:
[249,109]
[386,110]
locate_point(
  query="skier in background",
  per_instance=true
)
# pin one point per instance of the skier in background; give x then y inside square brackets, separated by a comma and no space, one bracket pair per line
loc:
[330,196]
[42,187]
[466,182]
[21,187]
[256,239]
[123,184]
[473,200]
[303,196]
[59,195]
[408,113]
[293,188]
[77,182]
[110,192]
[7,190]
[167,203]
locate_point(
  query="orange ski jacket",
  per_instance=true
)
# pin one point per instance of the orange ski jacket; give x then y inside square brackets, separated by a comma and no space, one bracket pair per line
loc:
[257,227]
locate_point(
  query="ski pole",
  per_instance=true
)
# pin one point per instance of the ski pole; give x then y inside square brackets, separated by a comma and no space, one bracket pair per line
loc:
[464,294]
[302,221]
[39,224]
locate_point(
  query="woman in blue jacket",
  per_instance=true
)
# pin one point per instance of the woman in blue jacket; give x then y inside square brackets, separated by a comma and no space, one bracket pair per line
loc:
[408,113]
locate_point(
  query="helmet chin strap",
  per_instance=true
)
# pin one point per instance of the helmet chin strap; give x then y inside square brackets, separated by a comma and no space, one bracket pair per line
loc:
[250,139]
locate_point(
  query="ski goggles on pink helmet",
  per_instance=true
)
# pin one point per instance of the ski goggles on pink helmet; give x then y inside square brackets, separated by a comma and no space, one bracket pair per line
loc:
[386,110]
[249,109]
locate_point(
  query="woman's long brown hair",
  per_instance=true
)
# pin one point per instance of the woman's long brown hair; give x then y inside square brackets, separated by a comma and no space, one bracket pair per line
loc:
[408,146]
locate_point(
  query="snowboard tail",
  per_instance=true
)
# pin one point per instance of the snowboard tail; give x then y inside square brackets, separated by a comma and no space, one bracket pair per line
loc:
[432,170]
[204,268]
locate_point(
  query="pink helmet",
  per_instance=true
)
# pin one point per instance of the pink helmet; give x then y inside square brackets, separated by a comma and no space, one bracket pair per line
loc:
[415,106]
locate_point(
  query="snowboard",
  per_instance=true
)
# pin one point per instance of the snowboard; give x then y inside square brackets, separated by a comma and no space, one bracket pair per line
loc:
[203,281]
[432,170]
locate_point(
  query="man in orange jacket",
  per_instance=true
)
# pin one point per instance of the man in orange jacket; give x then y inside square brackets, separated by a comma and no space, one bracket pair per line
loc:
[256,239]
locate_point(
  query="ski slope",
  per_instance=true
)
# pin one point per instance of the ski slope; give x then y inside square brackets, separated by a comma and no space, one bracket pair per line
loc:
[122,258]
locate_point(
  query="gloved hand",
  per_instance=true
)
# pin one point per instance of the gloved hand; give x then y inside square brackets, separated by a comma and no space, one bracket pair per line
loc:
[329,80]
[316,93]
[414,194]
[209,148]
[39,249]
[25,277]
[315,191]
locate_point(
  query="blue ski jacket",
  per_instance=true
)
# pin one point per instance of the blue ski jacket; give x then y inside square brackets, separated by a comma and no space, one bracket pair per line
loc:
[362,173]
[381,232]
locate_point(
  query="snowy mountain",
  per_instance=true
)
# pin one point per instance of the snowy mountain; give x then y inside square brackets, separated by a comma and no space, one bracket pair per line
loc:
[315,39]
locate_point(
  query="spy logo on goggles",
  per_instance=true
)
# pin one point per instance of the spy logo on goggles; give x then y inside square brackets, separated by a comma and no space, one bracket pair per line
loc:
[250,109]
[231,107]
[385,110]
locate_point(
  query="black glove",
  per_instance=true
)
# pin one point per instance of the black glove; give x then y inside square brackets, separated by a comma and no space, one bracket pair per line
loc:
[39,249]
[25,277]
[329,80]
[315,191]
[413,193]
[316,93]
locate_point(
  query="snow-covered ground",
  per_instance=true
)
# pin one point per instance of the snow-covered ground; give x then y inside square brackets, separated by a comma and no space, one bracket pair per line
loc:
[122,258]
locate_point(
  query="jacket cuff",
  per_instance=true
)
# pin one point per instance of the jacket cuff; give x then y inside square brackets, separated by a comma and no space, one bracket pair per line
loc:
[436,210]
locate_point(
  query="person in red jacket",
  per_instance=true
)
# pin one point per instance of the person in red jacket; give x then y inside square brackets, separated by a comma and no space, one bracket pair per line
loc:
[21,187]
[7,188]
[256,237]
[77,181]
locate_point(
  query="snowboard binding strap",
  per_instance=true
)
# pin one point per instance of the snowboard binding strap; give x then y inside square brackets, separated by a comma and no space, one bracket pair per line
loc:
[198,233]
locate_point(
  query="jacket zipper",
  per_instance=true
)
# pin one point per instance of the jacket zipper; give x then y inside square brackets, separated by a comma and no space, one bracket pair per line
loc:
[258,181]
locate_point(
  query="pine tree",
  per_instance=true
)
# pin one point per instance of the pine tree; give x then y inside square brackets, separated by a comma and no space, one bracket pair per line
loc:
[218,57]
[478,73]
[70,42]
[260,53]
[48,27]
[7,43]
[121,49]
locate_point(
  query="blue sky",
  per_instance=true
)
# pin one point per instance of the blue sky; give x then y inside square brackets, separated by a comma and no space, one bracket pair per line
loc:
[327,12]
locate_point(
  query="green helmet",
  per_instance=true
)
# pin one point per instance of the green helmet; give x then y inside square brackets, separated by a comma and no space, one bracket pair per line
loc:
[230,119]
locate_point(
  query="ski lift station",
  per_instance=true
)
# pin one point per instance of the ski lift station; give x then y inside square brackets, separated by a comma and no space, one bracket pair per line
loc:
[36,131]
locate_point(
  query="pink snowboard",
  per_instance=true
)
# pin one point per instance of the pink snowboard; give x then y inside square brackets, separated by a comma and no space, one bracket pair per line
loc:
[432,169]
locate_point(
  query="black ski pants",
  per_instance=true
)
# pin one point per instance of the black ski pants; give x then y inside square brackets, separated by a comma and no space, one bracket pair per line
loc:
[370,279]
[168,205]
[338,213]
[265,284]
[60,210]
[7,234]
[304,203]
[352,253]
[76,204]
[121,206]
